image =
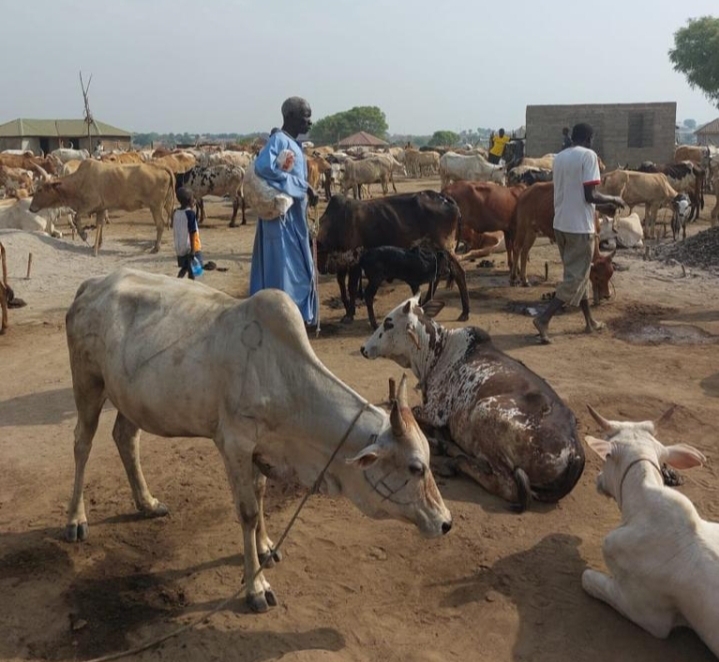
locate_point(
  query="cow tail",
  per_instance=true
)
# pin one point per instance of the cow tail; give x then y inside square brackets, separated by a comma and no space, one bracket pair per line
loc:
[3,257]
[170,196]
[524,489]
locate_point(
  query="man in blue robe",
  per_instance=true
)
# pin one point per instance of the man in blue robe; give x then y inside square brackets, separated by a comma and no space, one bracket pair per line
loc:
[281,256]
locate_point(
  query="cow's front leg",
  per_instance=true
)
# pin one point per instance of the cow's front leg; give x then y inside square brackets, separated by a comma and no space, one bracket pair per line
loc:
[241,475]
[651,617]
[266,552]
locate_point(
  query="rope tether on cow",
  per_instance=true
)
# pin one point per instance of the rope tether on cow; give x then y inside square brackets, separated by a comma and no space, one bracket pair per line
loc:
[241,590]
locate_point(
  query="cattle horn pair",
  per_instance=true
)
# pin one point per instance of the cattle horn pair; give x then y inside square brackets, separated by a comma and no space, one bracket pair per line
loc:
[399,427]
[608,426]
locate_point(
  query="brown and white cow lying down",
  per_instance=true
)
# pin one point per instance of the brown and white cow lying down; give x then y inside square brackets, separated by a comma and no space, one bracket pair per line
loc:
[516,437]
[664,558]
[180,359]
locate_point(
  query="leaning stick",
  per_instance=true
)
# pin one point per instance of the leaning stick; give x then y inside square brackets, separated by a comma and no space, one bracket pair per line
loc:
[29,266]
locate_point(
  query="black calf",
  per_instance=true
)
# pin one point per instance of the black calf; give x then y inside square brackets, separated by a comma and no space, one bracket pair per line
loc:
[414,266]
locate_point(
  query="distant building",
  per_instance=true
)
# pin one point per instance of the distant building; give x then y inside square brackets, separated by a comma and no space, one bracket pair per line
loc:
[47,135]
[624,132]
[708,134]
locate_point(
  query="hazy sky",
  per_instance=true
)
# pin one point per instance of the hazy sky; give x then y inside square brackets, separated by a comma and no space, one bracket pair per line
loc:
[226,66]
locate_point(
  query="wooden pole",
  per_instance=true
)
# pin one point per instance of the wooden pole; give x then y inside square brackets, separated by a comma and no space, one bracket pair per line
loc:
[392,390]
[29,266]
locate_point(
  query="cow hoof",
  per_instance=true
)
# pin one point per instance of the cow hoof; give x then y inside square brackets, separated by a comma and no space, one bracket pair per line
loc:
[347,320]
[160,510]
[77,532]
[233,224]
[259,603]
[525,283]
[271,598]
[463,317]
[155,249]
[269,558]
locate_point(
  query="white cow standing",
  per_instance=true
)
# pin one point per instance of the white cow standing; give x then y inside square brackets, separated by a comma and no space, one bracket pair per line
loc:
[180,359]
[664,558]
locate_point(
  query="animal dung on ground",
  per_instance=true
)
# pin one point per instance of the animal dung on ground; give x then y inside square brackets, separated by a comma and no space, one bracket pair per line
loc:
[701,250]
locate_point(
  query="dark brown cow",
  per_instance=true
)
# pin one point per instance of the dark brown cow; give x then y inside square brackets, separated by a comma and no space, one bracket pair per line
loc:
[487,207]
[348,226]
[535,215]
[509,429]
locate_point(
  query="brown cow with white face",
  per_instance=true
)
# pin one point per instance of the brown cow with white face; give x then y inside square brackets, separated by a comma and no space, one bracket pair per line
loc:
[516,437]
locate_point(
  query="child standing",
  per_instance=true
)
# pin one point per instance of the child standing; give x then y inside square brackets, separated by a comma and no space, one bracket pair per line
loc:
[186,233]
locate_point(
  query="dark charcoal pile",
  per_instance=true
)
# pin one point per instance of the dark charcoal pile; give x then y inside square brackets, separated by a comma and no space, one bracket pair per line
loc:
[701,250]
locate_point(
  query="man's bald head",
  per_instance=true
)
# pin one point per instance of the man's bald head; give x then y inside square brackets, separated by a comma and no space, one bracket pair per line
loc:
[296,113]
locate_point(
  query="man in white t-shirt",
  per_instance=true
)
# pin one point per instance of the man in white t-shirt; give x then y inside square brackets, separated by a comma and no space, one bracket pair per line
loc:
[576,176]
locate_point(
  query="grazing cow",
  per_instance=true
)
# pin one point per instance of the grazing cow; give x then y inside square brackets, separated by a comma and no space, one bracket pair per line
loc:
[96,188]
[421,163]
[218,180]
[65,154]
[534,215]
[487,207]
[15,178]
[513,434]
[663,558]
[426,218]
[415,266]
[157,349]
[651,189]
[455,167]
[684,177]
[373,169]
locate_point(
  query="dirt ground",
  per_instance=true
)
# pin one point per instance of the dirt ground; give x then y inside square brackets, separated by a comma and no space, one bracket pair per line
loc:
[500,586]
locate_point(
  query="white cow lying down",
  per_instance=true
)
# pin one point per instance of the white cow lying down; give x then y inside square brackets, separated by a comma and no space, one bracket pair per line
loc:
[180,359]
[664,558]
[16,215]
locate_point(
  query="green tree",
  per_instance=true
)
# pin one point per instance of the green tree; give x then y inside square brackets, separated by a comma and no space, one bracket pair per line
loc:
[443,138]
[332,128]
[696,55]
[690,124]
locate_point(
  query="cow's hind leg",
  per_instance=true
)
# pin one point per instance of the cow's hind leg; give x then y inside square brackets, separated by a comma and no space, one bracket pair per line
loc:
[266,552]
[89,401]
[510,485]
[127,439]
[655,619]
[159,226]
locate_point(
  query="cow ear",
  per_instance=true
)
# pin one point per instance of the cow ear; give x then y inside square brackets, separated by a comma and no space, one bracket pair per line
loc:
[432,307]
[599,446]
[56,184]
[366,457]
[683,456]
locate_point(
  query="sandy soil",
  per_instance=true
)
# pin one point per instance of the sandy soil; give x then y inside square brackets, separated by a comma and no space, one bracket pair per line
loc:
[500,587]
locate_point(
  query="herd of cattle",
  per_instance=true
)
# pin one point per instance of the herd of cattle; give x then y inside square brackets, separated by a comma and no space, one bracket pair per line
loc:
[505,426]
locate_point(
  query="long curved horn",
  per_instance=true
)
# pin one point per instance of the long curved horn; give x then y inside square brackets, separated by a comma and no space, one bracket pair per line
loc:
[399,428]
[603,422]
[402,392]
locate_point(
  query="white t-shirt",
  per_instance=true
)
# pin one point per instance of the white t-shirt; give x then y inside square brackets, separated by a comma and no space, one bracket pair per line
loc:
[573,168]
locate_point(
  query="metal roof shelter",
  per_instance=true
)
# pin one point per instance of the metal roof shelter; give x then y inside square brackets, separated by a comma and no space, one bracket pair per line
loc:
[362,139]
[708,134]
[46,135]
